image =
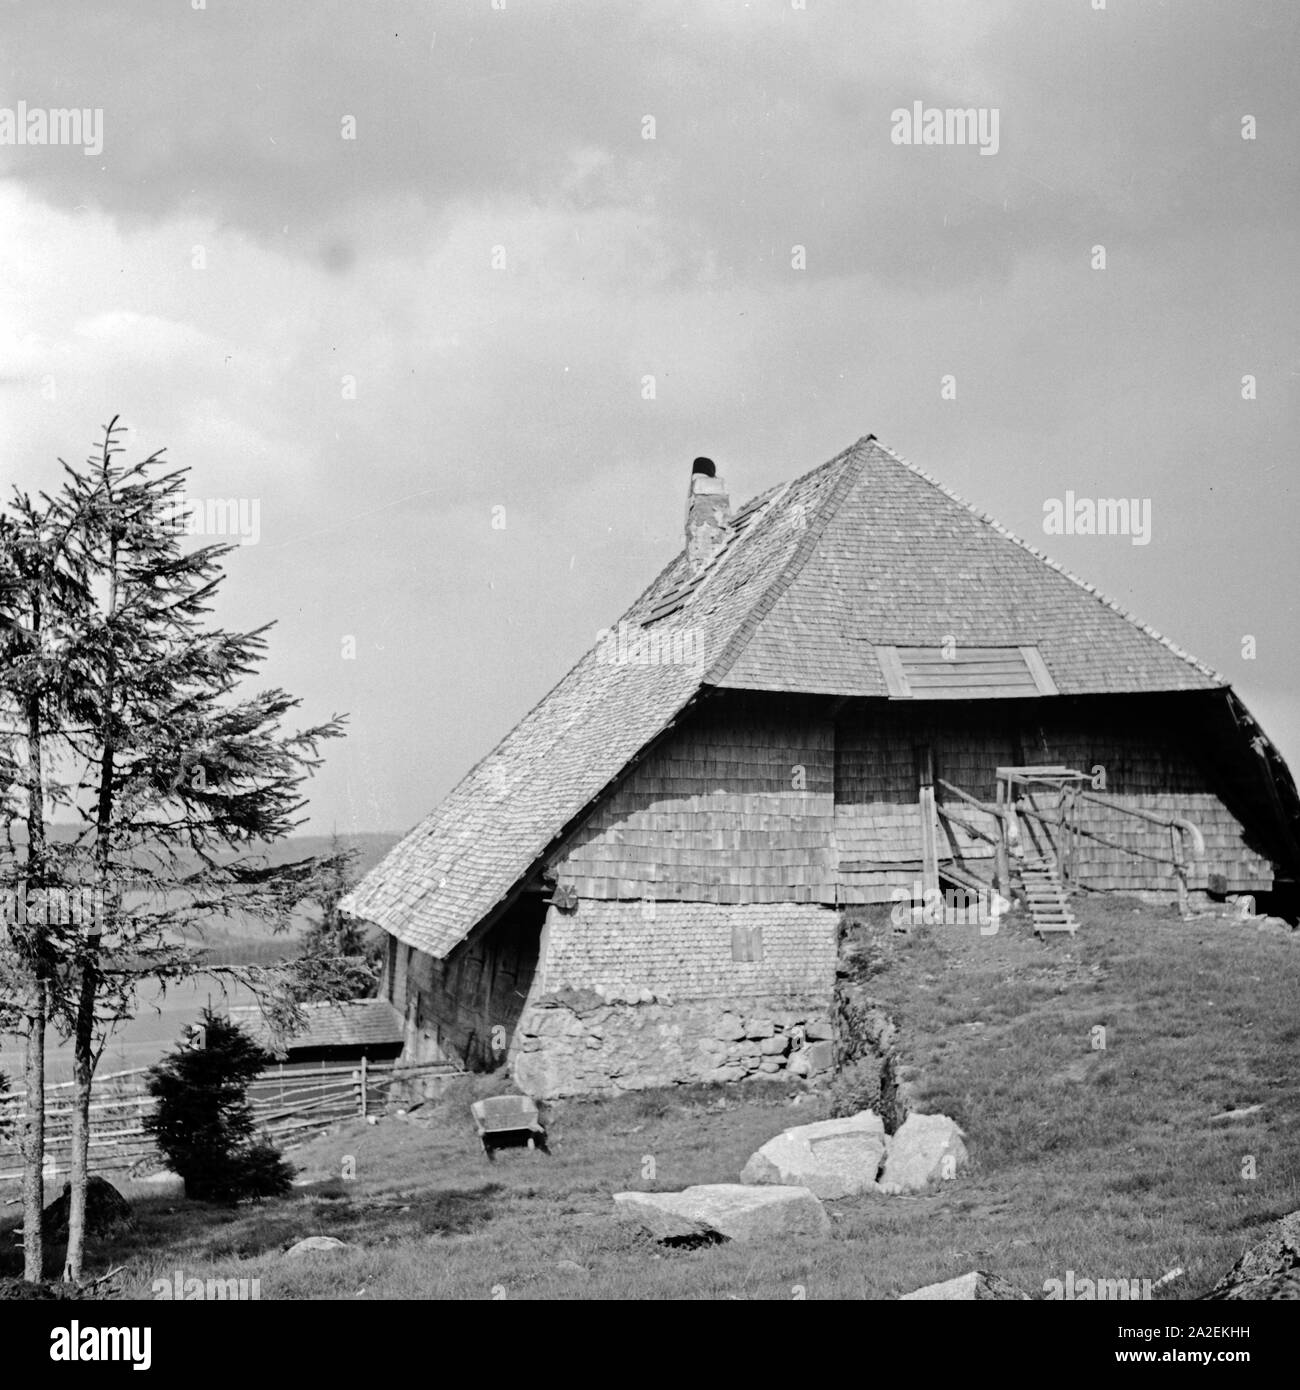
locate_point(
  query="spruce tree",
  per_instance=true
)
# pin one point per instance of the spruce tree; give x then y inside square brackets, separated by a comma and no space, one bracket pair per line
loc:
[184,779]
[203,1120]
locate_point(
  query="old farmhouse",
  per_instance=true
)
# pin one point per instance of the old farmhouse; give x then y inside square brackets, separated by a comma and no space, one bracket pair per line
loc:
[853,684]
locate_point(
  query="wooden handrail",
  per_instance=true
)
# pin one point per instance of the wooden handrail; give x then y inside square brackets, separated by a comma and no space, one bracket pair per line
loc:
[966,825]
[984,806]
[1168,822]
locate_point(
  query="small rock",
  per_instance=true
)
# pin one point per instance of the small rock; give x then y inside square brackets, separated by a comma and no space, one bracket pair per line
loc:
[977,1286]
[312,1243]
[775,1046]
[760,1028]
[820,1057]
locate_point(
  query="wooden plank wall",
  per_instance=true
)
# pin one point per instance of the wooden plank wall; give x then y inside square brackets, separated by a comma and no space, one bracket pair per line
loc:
[454,1004]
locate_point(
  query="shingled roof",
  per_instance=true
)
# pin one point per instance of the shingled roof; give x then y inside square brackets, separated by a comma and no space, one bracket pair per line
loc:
[863,552]
[354,1023]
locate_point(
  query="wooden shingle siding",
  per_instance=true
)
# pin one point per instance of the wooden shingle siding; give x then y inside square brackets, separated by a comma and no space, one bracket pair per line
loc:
[877,816]
[1145,750]
[686,950]
[1153,769]
[735,807]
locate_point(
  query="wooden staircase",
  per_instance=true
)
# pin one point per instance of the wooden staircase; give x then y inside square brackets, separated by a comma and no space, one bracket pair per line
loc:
[1048,904]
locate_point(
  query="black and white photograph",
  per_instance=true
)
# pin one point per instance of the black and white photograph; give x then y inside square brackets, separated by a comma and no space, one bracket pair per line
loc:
[648,652]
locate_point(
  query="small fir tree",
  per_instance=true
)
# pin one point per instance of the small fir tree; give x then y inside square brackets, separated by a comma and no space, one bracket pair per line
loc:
[203,1120]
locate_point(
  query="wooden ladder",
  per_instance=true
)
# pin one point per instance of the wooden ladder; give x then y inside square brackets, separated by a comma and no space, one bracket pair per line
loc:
[1048,904]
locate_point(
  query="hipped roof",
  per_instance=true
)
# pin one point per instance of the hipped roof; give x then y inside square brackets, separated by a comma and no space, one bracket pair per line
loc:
[866,550]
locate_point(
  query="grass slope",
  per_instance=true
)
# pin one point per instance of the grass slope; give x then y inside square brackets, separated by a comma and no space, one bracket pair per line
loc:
[1104,1162]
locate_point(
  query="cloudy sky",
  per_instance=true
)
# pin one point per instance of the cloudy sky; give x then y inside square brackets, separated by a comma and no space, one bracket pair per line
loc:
[387,268]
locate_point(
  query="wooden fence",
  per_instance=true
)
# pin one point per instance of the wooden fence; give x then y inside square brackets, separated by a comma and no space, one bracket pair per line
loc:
[289,1104]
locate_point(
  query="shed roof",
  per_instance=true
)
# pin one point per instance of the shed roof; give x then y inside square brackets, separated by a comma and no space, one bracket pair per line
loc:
[356,1023]
[865,551]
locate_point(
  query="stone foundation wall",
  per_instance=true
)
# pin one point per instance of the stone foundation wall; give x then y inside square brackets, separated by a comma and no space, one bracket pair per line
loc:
[630,995]
[578,1041]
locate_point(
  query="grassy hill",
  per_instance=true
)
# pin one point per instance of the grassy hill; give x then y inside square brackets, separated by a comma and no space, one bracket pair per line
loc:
[1108,1162]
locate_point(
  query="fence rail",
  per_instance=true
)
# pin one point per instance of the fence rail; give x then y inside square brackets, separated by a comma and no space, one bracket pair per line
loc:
[288,1105]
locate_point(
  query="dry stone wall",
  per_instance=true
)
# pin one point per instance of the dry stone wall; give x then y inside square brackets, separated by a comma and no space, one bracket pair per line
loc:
[577,1041]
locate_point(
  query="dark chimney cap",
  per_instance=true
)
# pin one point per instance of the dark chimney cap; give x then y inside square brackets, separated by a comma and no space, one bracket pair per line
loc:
[705,466]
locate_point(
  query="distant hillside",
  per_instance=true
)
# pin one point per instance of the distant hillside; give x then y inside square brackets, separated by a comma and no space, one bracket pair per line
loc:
[371,846]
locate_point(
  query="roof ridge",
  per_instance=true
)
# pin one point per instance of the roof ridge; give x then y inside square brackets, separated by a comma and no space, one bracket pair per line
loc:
[1083,584]
[814,530]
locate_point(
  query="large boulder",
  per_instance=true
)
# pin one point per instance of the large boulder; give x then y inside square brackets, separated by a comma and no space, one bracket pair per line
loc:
[977,1286]
[730,1211]
[312,1244]
[108,1213]
[924,1148]
[832,1158]
[1269,1270]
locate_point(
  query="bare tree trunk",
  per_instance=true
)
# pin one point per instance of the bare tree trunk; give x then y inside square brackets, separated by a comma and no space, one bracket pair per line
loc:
[33,1144]
[84,1059]
[83,1075]
[33,1139]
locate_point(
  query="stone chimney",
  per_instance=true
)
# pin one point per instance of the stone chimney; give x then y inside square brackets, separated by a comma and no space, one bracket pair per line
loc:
[707,506]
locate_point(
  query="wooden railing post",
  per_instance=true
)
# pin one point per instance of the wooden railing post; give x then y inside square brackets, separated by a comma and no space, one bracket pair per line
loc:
[929,823]
[1002,861]
[1180,871]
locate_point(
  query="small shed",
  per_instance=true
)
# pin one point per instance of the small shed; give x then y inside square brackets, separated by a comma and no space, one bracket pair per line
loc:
[341,1033]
